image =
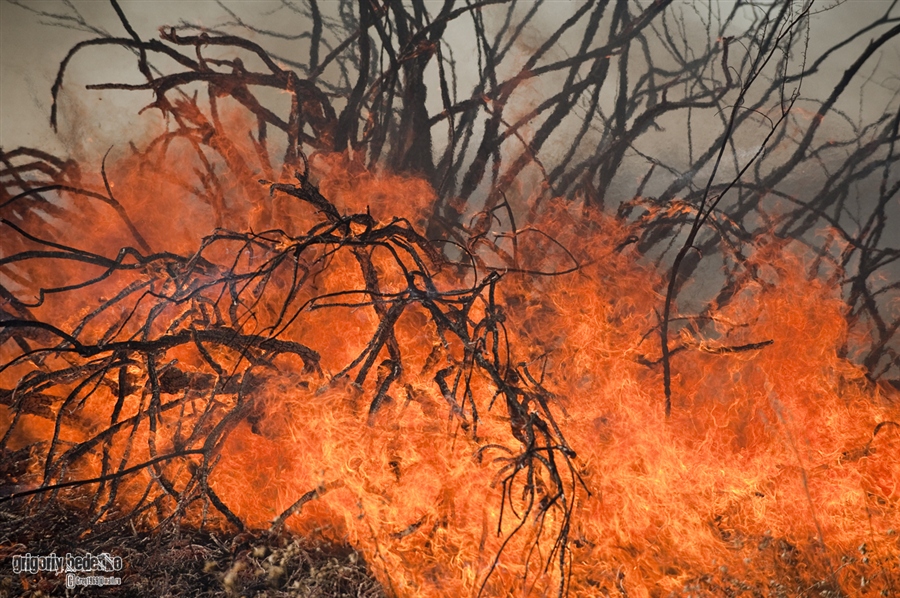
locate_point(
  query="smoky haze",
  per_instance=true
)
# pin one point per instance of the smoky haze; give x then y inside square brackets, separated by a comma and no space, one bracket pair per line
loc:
[35,37]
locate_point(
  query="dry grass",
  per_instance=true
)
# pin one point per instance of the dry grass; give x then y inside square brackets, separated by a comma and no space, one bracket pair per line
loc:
[176,563]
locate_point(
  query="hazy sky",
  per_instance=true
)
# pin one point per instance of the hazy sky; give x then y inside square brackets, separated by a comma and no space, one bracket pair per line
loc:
[30,52]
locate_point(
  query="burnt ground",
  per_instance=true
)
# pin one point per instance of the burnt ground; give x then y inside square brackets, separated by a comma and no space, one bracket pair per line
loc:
[178,562]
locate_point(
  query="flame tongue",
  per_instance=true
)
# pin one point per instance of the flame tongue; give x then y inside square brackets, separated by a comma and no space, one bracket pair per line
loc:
[347,384]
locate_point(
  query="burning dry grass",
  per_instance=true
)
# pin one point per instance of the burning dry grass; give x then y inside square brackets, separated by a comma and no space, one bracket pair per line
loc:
[466,429]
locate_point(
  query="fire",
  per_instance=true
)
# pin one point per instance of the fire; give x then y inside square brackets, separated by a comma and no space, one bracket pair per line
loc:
[471,430]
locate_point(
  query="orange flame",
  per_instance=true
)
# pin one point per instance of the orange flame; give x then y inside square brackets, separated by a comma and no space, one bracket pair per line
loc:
[776,474]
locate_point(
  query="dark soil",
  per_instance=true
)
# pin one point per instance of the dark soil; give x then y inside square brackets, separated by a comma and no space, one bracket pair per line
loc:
[178,562]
